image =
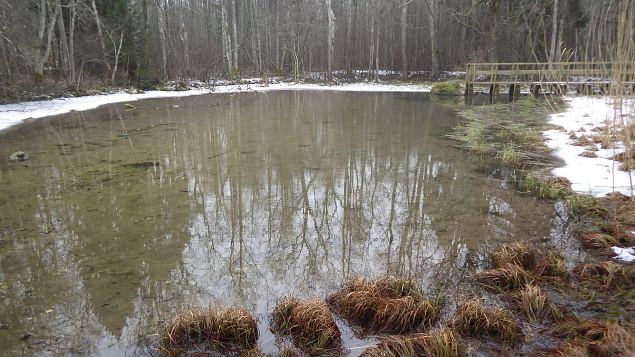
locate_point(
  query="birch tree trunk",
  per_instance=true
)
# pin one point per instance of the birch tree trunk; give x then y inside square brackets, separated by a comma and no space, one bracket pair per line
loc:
[43,57]
[330,39]
[162,40]
[100,34]
[554,33]
[235,35]
[434,50]
[227,43]
[404,38]
[186,45]
[349,37]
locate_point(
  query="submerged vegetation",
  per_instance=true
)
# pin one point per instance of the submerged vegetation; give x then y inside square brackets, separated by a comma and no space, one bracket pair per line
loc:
[509,133]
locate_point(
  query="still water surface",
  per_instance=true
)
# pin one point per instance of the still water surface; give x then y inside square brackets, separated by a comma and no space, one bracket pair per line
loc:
[234,199]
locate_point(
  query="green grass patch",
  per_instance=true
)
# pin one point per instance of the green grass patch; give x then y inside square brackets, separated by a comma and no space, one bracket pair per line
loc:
[448,88]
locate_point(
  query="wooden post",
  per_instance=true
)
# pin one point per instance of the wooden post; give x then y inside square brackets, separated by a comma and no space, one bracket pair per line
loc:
[514,91]
[469,93]
[535,89]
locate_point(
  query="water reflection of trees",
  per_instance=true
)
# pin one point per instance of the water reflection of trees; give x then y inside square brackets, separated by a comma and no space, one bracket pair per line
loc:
[267,195]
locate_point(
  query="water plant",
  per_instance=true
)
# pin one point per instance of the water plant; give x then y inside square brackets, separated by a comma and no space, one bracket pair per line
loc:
[227,328]
[388,304]
[309,323]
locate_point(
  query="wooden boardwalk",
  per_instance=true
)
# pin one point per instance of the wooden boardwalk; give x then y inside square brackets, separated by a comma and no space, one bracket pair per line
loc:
[584,77]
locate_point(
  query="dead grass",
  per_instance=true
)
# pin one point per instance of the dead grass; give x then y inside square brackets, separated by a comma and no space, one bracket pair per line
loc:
[608,275]
[518,253]
[229,328]
[597,240]
[472,318]
[309,323]
[388,304]
[596,338]
[510,277]
[552,265]
[532,302]
[439,343]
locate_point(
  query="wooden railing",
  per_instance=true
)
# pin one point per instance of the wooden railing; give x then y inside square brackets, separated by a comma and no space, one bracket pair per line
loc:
[564,73]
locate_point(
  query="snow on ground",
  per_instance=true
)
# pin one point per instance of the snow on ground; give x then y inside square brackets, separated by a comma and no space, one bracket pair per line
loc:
[11,114]
[626,255]
[597,176]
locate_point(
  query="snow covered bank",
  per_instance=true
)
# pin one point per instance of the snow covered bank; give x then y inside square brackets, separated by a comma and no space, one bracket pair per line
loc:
[11,114]
[583,121]
[626,255]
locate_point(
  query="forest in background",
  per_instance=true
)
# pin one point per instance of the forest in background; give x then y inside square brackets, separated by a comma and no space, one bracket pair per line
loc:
[82,43]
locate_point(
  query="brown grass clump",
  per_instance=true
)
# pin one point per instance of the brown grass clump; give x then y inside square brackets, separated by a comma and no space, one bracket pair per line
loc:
[510,277]
[439,343]
[607,274]
[597,240]
[229,328]
[309,323]
[565,350]
[552,265]
[385,305]
[473,319]
[597,338]
[518,253]
[532,302]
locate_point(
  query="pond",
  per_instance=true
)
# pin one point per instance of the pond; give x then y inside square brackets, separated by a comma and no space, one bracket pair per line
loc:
[125,215]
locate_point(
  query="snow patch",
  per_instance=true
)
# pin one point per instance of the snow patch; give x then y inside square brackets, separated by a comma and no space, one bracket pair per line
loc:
[626,255]
[12,114]
[596,176]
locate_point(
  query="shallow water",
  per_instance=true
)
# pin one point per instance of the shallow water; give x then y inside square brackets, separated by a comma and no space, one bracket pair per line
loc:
[234,199]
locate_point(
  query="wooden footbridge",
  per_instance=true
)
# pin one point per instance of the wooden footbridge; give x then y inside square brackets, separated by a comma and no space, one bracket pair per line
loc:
[558,77]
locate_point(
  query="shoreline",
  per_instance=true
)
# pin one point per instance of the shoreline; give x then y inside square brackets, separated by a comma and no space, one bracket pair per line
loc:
[16,113]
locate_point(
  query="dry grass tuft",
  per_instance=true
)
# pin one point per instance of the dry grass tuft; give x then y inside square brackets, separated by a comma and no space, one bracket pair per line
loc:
[608,274]
[532,302]
[388,304]
[517,253]
[552,265]
[510,277]
[565,350]
[596,240]
[596,338]
[310,324]
[439,343]
[229,328]
[473,319]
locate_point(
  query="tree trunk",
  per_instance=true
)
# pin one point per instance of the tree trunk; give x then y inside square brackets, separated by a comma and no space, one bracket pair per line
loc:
[330,39]
[227,43]
[71,40]
[186,46]
[43,57]
[65,53]
[434,50]
[100,34]
[554,32]
[404,42]
[235,33]
[162,40]
[371,54]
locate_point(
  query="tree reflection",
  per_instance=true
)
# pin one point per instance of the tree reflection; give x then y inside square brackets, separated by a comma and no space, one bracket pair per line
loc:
[239,199]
